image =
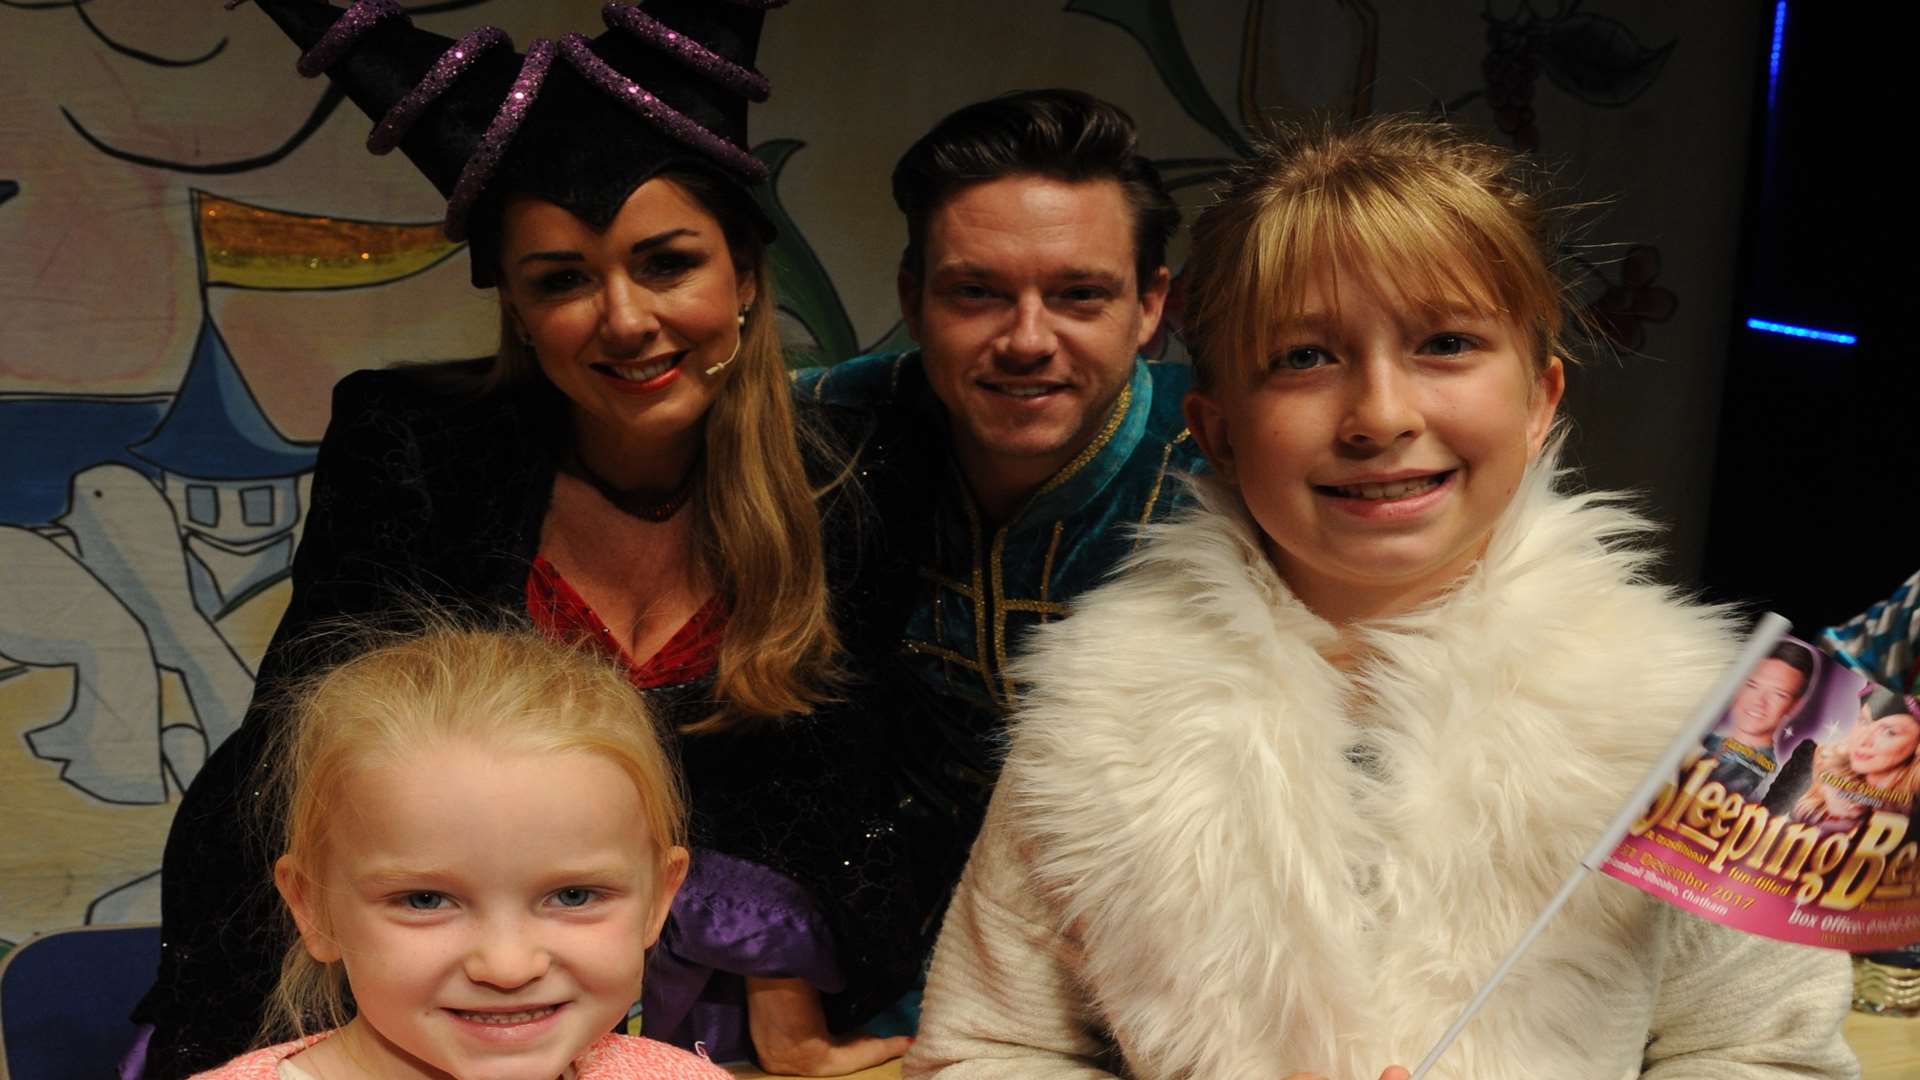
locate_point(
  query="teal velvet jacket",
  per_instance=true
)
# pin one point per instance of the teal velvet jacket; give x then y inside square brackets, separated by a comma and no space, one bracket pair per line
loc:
[982,589]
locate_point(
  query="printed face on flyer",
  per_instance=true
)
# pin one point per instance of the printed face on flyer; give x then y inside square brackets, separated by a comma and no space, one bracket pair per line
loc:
[1770,692]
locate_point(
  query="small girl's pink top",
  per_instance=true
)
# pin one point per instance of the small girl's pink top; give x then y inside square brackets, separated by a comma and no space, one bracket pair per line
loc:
[611,1057]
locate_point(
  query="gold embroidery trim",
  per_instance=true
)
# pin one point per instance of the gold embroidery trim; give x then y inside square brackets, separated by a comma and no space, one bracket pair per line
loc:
[942,653]
[1044,607]
[1000,620]
[1053,545]
[1153,495]
[985,667]
[955,584]
[1093,448]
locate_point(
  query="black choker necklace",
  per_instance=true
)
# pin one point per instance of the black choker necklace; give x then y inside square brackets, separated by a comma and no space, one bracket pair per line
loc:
[634,503]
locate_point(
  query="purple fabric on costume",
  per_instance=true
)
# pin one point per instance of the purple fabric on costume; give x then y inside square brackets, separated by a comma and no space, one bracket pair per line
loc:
[133,1063]
[731,919]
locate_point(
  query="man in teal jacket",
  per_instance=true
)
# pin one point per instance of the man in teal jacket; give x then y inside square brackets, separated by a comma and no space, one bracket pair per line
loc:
[1034,274]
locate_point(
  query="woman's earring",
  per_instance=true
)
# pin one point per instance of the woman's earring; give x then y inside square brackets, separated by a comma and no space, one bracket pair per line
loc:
[740,319]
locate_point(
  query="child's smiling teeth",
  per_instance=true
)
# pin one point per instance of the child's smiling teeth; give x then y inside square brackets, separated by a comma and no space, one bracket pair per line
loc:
[1398,489]
[501,1018]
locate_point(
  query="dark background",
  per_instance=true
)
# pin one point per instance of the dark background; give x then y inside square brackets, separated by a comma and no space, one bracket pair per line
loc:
[1813,507]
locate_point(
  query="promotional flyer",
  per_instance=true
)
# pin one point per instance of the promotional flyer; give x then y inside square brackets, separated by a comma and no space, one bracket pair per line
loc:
[1793,818]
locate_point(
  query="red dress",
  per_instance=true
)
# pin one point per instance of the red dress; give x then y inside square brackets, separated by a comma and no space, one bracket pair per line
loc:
[560,612]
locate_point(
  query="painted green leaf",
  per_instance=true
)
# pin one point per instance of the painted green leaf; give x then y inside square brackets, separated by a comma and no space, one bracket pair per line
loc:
[801,282]
[1599,60]
[1152,24]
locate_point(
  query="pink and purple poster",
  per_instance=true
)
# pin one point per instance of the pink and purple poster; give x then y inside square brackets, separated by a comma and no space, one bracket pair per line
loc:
[1792,819]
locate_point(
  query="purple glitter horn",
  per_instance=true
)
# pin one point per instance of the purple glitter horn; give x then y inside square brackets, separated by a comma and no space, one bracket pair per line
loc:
[677,125]
[350,27]
[689,53]
[493,145]
[453,63]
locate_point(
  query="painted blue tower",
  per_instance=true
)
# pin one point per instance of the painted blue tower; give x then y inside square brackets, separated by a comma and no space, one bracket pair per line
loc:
[233,479]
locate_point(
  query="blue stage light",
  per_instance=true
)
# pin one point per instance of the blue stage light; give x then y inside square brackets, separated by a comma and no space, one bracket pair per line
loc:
[1773,60]
[1828,336]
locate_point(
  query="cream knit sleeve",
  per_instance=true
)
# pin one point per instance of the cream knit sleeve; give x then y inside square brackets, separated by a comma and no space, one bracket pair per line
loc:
[1001,999]
[1732,1006]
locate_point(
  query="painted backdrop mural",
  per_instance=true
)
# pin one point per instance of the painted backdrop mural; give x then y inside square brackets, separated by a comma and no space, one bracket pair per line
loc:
[198,246]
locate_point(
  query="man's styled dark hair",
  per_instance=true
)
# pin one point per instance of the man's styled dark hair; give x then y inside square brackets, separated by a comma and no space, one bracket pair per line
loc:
[1799,658]
[1062,134]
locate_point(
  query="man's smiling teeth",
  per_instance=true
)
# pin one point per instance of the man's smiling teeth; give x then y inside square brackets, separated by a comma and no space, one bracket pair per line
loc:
[1399,489]
[506,1018]
[632,373]
[1025,391]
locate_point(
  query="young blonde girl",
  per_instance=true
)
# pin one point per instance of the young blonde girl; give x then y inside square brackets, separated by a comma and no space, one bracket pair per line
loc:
[1281,796]
[481,840]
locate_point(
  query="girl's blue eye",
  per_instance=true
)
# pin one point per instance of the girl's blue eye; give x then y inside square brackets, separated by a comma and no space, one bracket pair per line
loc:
[576,896]
[426,901]
[1303,358]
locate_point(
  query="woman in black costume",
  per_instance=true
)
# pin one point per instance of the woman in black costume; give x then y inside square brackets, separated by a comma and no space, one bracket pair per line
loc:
[629,467]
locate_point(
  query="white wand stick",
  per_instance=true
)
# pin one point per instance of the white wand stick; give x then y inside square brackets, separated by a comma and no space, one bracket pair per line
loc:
[1764,637]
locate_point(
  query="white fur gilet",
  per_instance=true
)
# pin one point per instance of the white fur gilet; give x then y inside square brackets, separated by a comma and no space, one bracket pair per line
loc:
[1269,865]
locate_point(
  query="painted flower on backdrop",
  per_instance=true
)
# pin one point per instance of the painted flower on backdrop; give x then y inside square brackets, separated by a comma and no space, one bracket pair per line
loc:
[1593,58]
[1622,310]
